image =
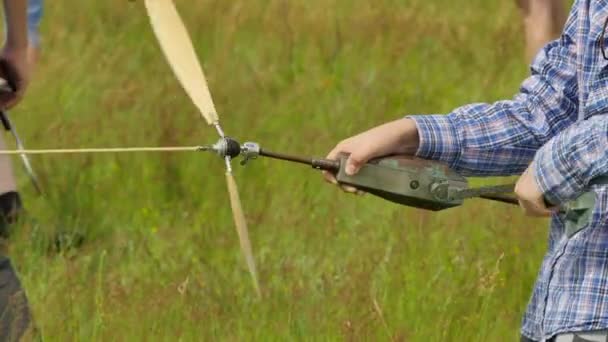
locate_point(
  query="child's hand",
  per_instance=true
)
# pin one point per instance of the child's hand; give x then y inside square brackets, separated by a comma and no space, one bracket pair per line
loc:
[530,197]
[396,137]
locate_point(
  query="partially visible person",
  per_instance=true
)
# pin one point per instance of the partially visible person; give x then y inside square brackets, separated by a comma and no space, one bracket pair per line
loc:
[10,199]
[543,22]
[13,56]
[15,316]
[554,130]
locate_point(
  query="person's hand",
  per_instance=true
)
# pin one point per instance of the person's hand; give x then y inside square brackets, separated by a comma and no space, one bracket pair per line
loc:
[14,68]
[530,197]
[396,137]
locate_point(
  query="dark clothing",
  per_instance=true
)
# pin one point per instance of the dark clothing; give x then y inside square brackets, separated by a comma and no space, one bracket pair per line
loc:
[10,208]
[15,316]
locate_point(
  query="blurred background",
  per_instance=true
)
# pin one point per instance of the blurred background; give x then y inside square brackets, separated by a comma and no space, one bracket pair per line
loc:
[159,257]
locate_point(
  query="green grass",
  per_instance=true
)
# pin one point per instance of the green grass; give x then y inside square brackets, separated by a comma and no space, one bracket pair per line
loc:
[161,258]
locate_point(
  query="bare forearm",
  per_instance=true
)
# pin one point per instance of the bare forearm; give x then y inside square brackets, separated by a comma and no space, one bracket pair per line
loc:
[15,12]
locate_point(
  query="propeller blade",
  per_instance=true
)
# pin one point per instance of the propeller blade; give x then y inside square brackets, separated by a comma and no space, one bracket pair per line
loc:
[177,47]
[241,228]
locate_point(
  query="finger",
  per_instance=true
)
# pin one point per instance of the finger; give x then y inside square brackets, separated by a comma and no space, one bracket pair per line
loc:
[14,100]
[7,100]
[349,189]
[355,161]
[542,212]
[336,151]
[533,209]
[528,210]
[330,177]
[538,208]
[334,154]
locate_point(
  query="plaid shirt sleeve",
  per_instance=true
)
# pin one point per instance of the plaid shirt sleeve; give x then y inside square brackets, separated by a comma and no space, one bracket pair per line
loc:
[502,138]
[566,165]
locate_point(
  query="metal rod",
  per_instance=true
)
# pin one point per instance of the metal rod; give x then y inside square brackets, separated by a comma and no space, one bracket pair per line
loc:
[319,164]
[286,157]
[219,129]
[500,198]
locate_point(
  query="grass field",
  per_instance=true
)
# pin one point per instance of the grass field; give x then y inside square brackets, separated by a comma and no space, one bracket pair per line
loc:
[160,259]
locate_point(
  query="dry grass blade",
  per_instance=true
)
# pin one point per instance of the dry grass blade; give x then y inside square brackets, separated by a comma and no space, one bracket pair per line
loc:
[177,46]
[241,227]
[381,315]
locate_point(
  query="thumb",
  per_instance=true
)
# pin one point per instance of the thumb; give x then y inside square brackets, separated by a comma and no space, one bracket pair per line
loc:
[354,163]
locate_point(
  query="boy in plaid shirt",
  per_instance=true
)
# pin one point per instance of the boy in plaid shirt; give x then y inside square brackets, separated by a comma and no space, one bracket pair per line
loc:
[555,134]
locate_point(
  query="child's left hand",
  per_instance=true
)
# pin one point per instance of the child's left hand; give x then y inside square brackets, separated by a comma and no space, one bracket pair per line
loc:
[530,197]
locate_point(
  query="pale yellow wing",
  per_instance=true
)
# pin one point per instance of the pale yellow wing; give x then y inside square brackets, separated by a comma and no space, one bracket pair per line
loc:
[177,47]
[241,228]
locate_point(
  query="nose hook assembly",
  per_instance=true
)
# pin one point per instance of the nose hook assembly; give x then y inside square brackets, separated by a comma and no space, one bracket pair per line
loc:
[227,147]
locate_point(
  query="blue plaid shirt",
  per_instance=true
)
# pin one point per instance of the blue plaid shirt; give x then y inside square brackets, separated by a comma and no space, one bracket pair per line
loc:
[557,122]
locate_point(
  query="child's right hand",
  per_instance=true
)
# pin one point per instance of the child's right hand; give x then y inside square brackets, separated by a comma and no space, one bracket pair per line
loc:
[396,137]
